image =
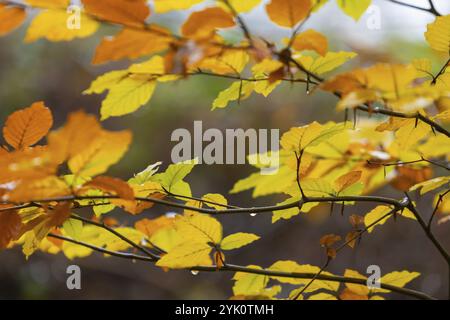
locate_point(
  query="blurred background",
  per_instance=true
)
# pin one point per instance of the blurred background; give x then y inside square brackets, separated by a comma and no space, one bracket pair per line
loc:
[57,73]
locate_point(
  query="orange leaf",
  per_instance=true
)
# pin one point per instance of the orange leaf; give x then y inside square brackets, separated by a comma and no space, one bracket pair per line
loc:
[10,18]
[36,189]
[78,133]
[10,226]
[150,226]
[203,24]
[311,40]
[347,180]
[347,294]
[126,12]
[35,163]
[219,259]
[26,127]
[287,13]
[131,44]
[407,177]
[113,186]
[58,214]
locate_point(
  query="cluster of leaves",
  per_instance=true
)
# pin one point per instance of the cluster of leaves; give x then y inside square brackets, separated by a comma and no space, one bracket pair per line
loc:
[42,185]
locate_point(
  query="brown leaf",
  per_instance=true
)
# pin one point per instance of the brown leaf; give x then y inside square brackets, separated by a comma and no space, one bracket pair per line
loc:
[10,226]
[329,239]
[58,214]
[351,238]
[112,186]
[26,127]
[407,177]
[356,220]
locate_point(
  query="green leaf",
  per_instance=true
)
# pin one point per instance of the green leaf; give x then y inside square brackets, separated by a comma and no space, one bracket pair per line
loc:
[73,228]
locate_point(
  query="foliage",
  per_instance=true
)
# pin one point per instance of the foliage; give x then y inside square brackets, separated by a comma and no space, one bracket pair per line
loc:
[44,183]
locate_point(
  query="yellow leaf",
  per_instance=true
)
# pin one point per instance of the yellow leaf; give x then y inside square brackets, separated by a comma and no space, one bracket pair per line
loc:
[172,179]
[185,255]
[230,62]
[354,8]
[215,200]
[327,63]
[127,96]
[430,185]
[125,12]
[288,13]
[398,279]
[237,240]
[104,151]
[249,284]
[438,34]
[243,6]
[106,81]
[199,228]
[375,215]
[423,66]
[239,90]
[359,289]
[163,6]
[10,18]
[311,40]
[291,266]
[73,228]
[299,138]
[410,134]
[53,25]
[26,127]
[203,24]
[266,184]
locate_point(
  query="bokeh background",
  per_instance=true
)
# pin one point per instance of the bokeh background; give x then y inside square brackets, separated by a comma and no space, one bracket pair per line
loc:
[57,73]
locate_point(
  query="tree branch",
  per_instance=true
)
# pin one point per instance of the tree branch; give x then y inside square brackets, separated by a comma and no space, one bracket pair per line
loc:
[268,209]
[431,10]
[265,272]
